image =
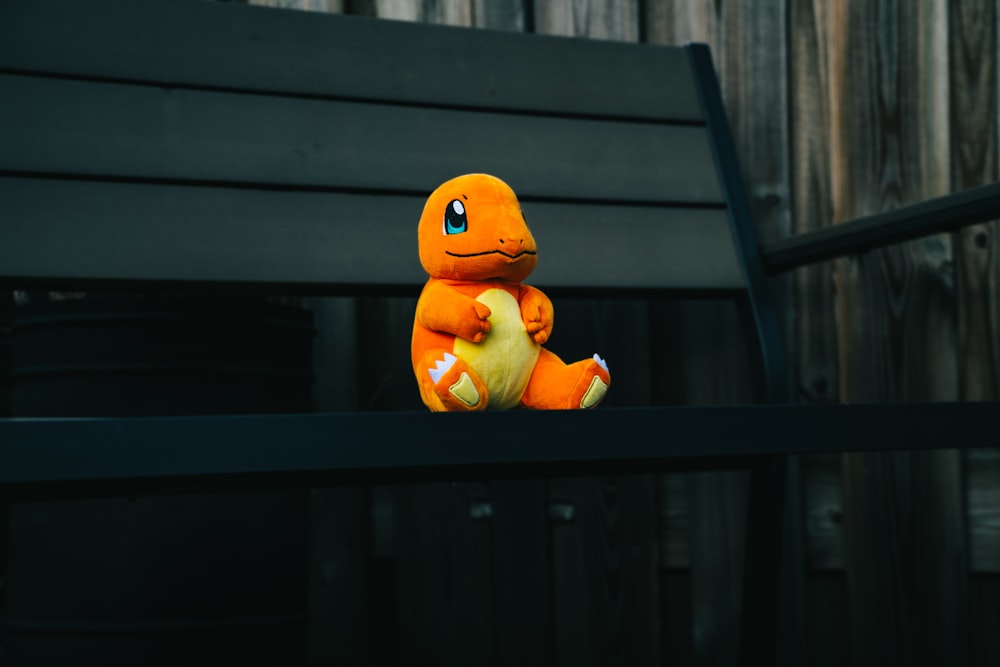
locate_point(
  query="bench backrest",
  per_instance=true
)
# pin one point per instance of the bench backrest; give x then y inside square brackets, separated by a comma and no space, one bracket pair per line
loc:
[188,143]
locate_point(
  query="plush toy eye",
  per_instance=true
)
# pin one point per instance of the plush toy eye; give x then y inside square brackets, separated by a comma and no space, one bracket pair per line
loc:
[455,221]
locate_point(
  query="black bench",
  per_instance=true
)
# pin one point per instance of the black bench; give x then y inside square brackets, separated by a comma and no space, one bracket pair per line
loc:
[198,146]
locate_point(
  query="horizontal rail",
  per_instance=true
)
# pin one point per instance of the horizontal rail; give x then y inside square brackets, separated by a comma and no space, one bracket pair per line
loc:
[940,214]
[52,458]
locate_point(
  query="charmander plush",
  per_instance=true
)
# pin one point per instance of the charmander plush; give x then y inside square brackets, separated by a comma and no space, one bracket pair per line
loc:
[478,330]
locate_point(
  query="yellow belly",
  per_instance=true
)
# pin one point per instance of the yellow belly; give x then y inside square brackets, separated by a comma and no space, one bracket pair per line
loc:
[506,358]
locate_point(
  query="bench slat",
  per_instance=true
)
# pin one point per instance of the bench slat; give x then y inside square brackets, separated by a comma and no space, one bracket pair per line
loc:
[214,44]
[51,457]
[77,127]
[55,231]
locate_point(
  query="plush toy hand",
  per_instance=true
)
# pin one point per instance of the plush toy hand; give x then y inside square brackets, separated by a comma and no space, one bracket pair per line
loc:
[536,313]
[477,324]
[441,308]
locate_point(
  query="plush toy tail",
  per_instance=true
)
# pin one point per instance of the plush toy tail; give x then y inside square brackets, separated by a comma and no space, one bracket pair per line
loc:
[554,385]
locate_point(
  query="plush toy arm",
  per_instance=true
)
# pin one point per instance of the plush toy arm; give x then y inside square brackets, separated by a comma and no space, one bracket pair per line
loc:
[536,313]
[441,308]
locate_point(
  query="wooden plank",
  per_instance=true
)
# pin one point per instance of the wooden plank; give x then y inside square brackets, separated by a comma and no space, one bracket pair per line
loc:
[984,613]
[522,574]
[58,230]
[443,558]
[828,612]
[304,5]
[674,518]
[717,549]
[606,579]
[825,508]
[897,336]
[675,594]
[982,498]
[116,231]
[206,44]
[340,593]
[824,512]
[594,19]
[816,348]
[156,133]
[814,360]
[973,68]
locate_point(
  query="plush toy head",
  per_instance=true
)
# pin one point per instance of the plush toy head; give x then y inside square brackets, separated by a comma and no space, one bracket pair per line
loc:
[472,228]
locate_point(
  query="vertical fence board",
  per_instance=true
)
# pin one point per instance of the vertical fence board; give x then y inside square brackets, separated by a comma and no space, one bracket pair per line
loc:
[974,148]
[521,578]
[974,136]
[896,328]
[443,580]
[974,144]
[814,354]
[605,576]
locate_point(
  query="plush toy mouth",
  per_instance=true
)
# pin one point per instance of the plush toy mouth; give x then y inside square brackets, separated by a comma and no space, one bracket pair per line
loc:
[492,252]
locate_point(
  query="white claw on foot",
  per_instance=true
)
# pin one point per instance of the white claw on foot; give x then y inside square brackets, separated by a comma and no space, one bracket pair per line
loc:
[603,364]
[442,366]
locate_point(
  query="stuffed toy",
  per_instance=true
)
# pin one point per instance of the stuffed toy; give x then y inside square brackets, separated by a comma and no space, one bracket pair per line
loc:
[478,330]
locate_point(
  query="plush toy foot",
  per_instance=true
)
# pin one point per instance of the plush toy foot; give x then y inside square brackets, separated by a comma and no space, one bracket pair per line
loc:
[596,387]
[448,383]
[555,385]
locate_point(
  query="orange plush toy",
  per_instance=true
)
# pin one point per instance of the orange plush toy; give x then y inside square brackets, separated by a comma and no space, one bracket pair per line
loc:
[478,330]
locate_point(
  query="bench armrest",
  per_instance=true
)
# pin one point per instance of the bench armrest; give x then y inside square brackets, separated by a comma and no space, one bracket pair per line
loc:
[940,214]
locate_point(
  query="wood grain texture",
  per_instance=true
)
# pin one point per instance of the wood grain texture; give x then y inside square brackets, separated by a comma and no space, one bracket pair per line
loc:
[984,613]
[506,15]
[973,104]
[982,500]
[605,572]
[897,339]
[524,622]
[814,357]
[444,598]
[816,348]
[330,6]
[594,19]
[717,532]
